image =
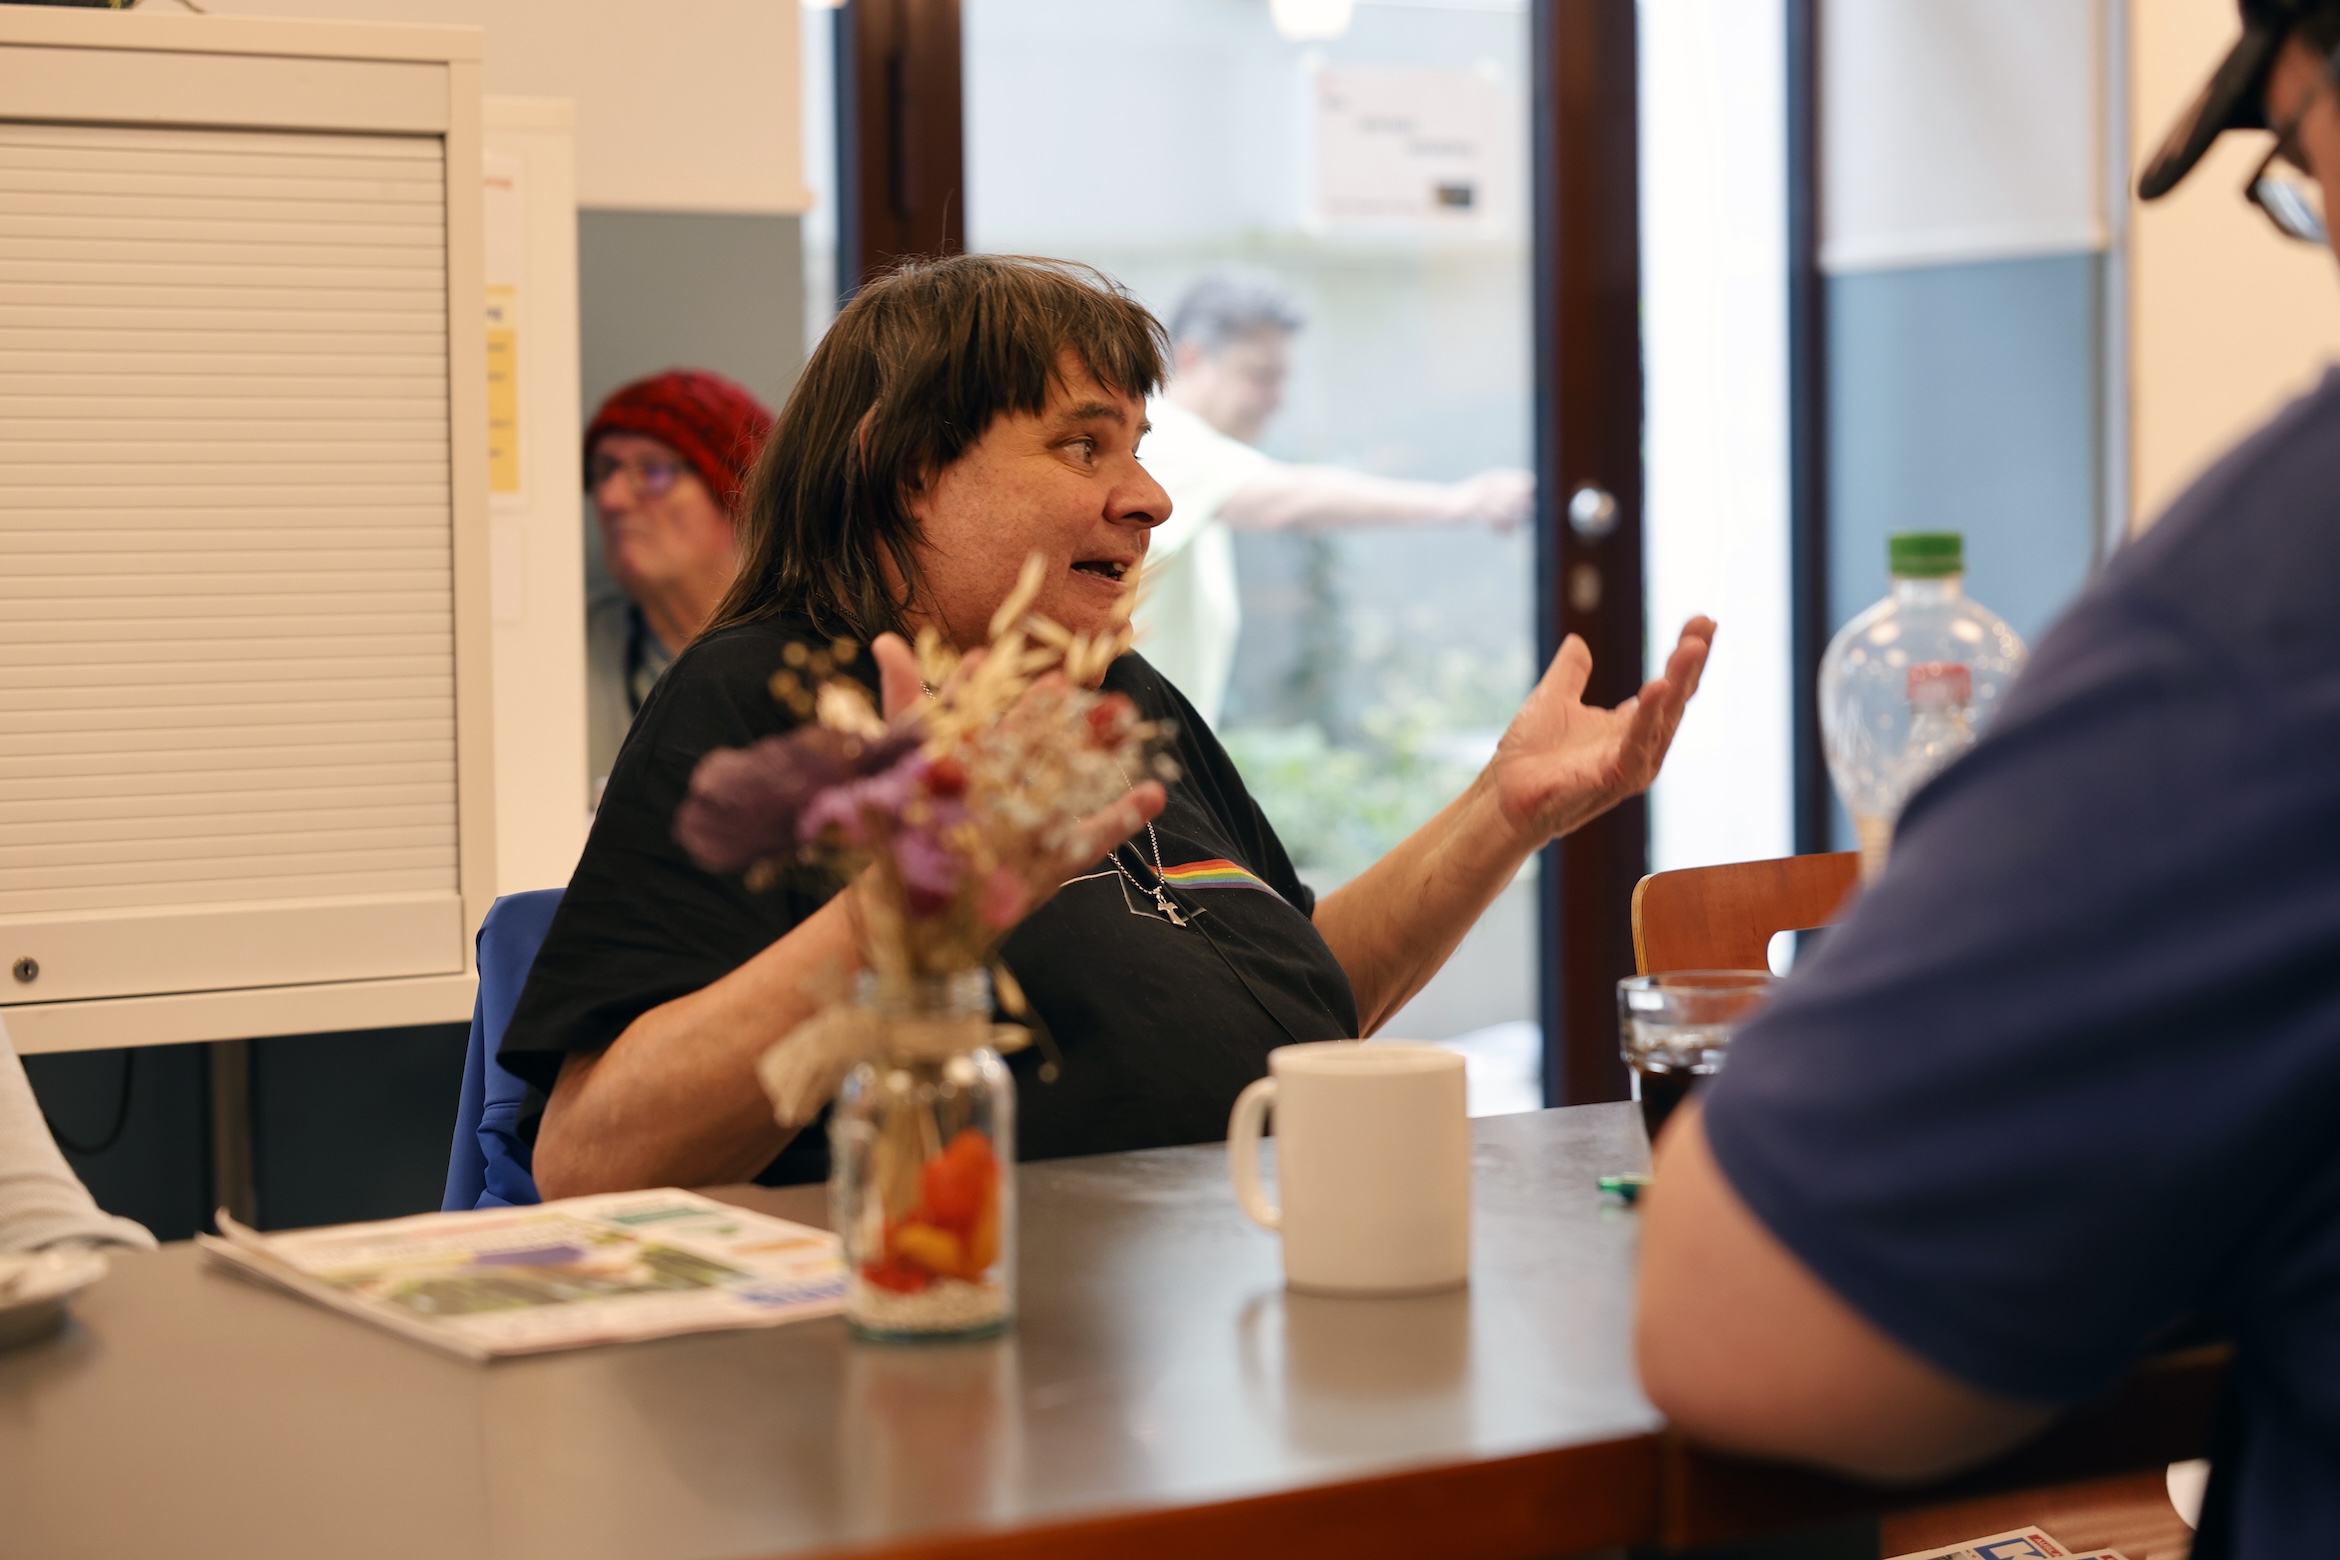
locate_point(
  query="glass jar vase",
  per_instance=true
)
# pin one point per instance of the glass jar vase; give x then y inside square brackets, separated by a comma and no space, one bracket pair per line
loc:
[922,1151]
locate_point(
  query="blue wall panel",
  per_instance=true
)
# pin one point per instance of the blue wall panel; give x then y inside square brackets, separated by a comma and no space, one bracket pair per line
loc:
[1967,398]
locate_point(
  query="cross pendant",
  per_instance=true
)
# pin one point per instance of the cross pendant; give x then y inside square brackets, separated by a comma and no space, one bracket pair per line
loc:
[1169,910]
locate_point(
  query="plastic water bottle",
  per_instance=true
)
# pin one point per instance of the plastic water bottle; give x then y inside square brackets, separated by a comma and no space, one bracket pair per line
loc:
[1909,684]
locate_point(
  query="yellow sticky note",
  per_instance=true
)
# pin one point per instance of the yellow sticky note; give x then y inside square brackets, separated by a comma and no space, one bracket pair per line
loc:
[503,387]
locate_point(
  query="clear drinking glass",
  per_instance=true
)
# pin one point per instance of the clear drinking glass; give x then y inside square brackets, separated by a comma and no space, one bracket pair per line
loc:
[922,1152]
[1677,1027]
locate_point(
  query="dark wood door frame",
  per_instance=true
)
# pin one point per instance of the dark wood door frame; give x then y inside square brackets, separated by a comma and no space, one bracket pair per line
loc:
[1587,270]
[1807,428]
[901,140]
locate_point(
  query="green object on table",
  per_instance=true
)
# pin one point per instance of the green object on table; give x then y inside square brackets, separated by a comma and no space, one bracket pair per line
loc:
[1625,1188]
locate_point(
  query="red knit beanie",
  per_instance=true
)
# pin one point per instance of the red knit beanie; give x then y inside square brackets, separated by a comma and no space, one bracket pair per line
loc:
[709,421]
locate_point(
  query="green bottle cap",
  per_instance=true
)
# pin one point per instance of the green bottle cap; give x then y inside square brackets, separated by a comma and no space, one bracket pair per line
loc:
[1925,555]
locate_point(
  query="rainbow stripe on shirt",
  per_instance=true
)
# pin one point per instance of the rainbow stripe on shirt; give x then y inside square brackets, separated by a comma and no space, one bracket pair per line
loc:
[1213,874]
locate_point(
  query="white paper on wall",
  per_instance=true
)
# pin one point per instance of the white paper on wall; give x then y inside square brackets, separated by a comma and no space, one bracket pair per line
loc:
[1414,146]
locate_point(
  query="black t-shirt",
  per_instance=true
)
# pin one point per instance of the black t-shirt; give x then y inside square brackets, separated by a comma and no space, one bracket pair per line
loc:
[1160,1026]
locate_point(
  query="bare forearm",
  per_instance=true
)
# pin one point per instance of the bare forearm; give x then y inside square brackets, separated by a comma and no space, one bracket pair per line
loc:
[1560,765]
[1285,498]
[1743,1346]
[674,1101]
[1393,926]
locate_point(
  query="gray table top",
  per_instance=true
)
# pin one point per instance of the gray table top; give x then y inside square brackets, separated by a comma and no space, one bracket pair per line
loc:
[1158,1364]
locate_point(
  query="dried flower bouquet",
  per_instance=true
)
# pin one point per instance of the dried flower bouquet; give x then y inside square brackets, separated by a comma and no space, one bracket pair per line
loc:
[944,814]
[942,818]
[948,820]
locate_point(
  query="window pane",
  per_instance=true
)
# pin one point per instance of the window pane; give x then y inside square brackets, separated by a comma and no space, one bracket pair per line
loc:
[1714,297]
[1357,621]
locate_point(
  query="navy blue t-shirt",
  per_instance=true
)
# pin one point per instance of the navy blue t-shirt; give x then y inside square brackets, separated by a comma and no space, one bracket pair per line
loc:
[2068,1077]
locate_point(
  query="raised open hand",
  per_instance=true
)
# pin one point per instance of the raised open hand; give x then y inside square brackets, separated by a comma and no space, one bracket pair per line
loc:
[1562,762]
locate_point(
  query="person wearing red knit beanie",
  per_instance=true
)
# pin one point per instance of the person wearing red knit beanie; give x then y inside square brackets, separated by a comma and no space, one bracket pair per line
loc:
[665,459]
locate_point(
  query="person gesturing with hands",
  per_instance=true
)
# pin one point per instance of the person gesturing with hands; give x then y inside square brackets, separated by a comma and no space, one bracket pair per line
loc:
[1561,764]
[962,418]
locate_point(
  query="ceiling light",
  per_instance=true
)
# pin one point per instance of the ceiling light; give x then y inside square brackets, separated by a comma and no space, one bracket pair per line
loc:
[1311,20]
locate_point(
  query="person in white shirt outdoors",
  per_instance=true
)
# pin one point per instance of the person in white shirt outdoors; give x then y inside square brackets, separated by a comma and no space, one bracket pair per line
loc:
[664,460]
[1231,348]
[42,1202]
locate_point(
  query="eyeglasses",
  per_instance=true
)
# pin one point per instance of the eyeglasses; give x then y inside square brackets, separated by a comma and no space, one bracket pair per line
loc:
[2294,205]
[652,478]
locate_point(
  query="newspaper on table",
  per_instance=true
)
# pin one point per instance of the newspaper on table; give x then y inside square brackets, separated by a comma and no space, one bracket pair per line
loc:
[2022,1544]
[560,1275]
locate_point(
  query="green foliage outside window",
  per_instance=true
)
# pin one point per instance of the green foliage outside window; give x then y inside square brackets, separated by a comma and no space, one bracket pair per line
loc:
[1339,802]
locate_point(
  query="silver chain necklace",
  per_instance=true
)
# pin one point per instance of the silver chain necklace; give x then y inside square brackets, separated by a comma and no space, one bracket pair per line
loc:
[1159,893]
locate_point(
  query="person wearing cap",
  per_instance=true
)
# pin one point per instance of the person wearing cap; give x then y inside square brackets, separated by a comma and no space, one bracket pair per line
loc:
[665,458]
[2061,1089]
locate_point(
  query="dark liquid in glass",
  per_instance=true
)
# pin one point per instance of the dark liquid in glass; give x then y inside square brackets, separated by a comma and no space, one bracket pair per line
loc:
[1660,1092]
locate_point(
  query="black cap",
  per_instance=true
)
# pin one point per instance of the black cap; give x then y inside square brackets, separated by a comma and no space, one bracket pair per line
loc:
[2234,98]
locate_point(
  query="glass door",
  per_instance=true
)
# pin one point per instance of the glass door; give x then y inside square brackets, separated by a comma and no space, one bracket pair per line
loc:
[1329,204]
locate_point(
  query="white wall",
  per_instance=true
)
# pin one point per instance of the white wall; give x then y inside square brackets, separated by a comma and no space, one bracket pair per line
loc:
[1714,303]
[1961,130]
[536,546]
[679,107]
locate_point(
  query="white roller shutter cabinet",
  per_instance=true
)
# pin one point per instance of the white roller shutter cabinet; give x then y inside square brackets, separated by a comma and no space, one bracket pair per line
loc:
[243,734]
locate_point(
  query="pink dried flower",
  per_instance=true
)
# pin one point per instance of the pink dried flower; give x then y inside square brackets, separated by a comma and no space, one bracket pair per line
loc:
[931,872]
[744,803]
[846,808]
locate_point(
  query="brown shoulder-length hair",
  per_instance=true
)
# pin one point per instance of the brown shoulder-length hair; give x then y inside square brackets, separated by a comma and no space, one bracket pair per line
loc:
[912,372]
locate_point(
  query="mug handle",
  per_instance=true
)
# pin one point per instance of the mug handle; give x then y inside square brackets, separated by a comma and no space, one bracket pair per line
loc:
[1244,1126]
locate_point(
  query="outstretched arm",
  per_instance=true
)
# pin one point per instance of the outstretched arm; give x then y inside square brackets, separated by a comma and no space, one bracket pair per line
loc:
[1561,764]
[1281,497]
[1742,1346]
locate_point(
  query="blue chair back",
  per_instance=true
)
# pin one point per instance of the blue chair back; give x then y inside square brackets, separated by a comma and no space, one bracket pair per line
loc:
[488,1166]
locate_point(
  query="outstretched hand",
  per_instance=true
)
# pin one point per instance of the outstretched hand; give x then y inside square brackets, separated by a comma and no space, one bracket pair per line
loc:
[1562,762]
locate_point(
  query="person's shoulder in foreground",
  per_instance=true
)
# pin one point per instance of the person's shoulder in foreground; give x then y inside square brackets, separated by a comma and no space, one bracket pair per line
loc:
[640,924]
[42,1202]
[2243,559]
[2064,1082]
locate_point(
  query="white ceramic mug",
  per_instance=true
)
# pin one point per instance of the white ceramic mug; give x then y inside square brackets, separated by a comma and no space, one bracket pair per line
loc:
[1373,1162]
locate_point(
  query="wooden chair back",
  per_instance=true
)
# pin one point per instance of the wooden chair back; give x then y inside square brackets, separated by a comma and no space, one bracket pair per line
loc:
[1723,918]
